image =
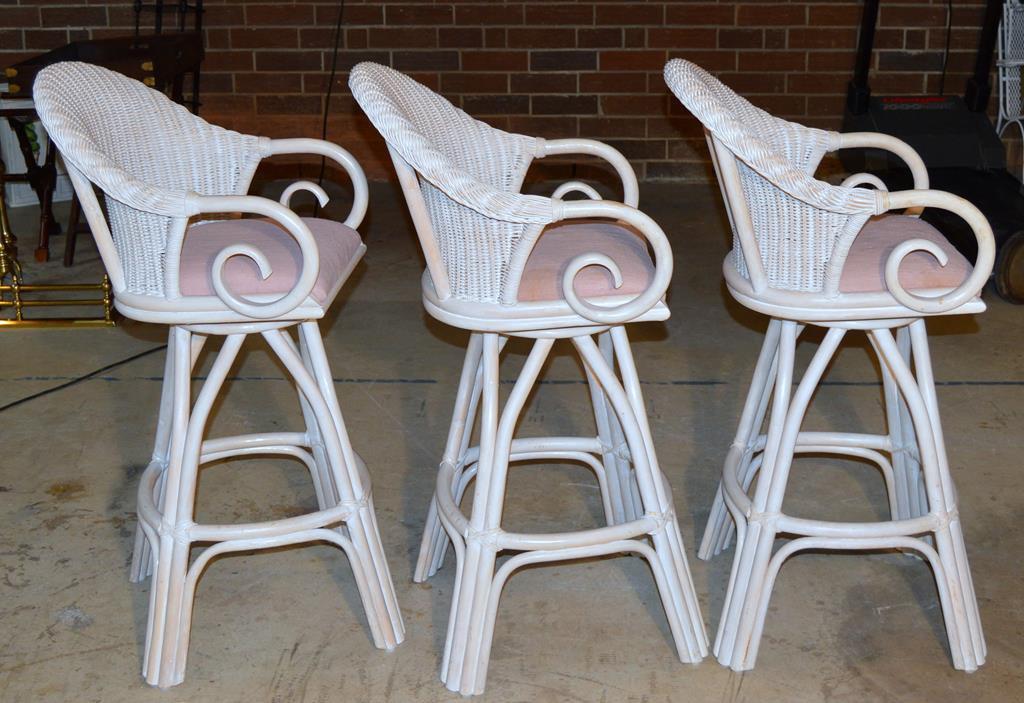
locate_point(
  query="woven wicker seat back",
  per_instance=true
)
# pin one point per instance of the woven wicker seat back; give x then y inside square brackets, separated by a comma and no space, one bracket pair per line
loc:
[800,223]
[146,153]
[470,175]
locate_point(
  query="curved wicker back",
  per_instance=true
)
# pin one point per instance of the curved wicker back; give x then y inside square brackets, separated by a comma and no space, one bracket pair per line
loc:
[796,220]
[469,175]
[145,153]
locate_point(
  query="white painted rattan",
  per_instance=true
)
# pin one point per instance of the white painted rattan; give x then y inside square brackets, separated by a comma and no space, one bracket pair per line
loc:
[793,232]
[158,166]
[461,179]
[1010,64]
[803,237]
[475,227]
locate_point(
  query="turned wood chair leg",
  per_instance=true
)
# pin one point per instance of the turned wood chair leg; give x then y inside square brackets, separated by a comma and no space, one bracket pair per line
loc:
[47,183]
[71,236]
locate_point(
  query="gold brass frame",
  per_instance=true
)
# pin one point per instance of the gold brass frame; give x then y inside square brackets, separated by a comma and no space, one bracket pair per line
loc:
[16,290]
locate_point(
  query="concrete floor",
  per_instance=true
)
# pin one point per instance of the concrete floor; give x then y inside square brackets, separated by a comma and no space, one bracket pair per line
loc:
[285,625]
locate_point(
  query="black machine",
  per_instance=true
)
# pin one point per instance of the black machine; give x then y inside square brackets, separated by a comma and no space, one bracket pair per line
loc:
[958,144]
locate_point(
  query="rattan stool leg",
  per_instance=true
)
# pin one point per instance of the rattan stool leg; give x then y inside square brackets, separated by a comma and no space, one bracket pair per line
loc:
[322,475]
[623,496]
[461,668]
[478,538]
[952,573]
[167,637]
[677,591]
[922,495]
[142,558]
[351,484]
[434,542]
[720,525]
[743,614]
[910,498]
[346,517]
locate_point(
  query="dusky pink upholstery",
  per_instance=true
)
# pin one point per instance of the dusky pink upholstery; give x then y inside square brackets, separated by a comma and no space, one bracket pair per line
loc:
[338,246]
[559,244]
[864,270]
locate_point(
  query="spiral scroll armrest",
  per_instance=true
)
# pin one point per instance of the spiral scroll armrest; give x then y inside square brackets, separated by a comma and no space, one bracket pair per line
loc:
[876,140]
[592,147]
[292,223]
[360,190]
[575,187]
[309,186]
[654,235]
[859,179]
[967,290]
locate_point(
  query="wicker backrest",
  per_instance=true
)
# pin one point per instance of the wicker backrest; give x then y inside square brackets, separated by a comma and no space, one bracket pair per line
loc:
[145,152]
[1011,60]
[469,174]
[795,219]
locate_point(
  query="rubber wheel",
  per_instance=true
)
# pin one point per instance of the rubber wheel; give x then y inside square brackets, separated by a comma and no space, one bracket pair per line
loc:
[1009,269]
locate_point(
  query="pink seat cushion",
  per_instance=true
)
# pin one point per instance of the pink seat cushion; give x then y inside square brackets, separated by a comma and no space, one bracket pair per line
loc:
[561,243]
[864,271]
[338,245]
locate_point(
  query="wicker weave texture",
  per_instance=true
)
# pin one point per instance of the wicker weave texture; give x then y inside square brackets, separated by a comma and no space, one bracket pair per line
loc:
[800,223]
[1011,63]
[146,153]
[470,175]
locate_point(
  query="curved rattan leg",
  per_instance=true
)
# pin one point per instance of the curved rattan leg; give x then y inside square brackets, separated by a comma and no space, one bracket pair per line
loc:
[623,497]
[910,499]
[963,628]
[613,498]
[316,384]
[142,557]
[434,541]
[749,534]
[478,538]
[323,478]
[720,526]
[167,635]
[465,666]
[743,615]
[177,398]
[677,591]
[632,503]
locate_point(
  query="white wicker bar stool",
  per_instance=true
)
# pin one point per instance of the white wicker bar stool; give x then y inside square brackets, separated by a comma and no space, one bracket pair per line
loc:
[160,167]
[498,266]
[809,253]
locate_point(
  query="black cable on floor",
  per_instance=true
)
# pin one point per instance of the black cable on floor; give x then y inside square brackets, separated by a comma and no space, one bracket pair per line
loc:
[79,379]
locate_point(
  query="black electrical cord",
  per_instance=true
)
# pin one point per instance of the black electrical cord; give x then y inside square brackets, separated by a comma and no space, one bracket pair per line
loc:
[327,96]
[79,379]
[945,53]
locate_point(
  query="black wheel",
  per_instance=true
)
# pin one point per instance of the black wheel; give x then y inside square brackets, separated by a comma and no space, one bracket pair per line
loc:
[1009,269]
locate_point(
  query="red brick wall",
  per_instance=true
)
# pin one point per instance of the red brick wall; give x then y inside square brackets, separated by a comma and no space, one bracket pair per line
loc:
[555,69]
